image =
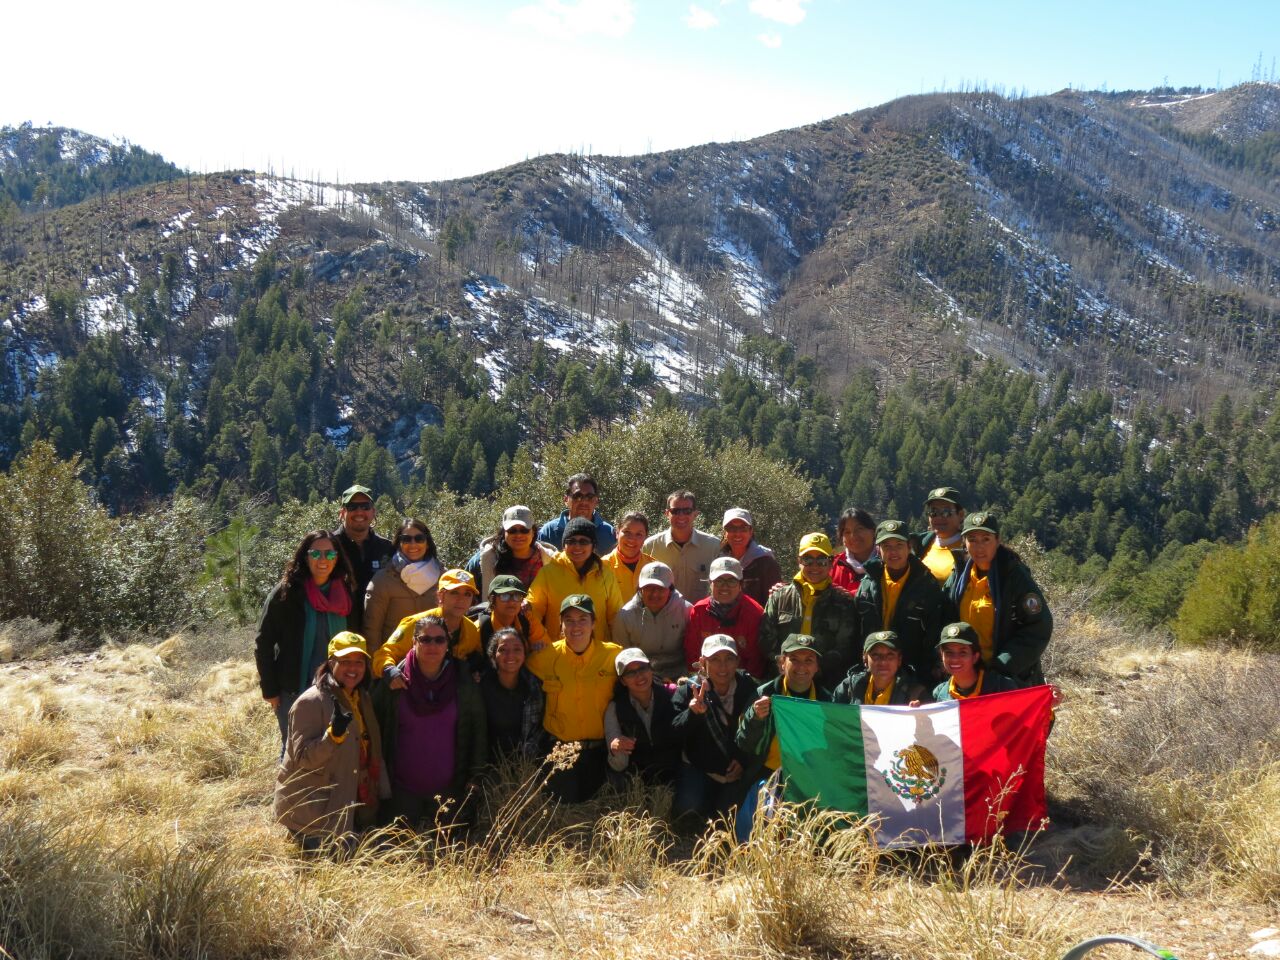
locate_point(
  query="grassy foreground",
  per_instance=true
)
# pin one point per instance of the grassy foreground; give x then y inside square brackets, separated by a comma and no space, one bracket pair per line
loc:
[136,822]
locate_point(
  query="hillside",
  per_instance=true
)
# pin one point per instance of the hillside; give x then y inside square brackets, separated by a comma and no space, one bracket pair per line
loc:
[1073,233]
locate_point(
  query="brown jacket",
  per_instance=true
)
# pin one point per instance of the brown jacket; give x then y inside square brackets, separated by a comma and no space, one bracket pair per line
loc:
[387,602]
[317,780]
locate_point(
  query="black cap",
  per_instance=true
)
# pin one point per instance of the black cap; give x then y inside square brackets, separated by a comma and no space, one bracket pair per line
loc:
[891,530]
[580,527]
[959,632]
[946,494]
[982,520]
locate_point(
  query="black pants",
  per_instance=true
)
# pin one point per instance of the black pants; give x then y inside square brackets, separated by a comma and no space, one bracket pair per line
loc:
[583,780]
[423,813]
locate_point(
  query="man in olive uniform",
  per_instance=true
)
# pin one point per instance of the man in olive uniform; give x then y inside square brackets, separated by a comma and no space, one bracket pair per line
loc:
[942,546]
[995,593]
[811,605]
[900,594]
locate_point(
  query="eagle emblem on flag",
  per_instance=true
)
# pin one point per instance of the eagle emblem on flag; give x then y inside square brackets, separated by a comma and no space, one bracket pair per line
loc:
[915,774]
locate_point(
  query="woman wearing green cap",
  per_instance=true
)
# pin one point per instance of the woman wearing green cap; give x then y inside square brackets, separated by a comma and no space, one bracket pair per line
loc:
[995,593]
[332,776]
[962,662]
[882,681]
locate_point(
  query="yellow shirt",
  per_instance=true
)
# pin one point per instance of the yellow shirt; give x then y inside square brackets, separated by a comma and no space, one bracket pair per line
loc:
[578,688]
[401,641]
[808,597]
[558,579]
[880,699]
[773,759]
[978,610]
[940,560]
[892,589]
[628,579]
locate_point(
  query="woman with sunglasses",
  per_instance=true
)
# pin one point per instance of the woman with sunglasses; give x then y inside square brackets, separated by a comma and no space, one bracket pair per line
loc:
[405,586]
[433,732]
[511,550]
[577,569]
[313,602]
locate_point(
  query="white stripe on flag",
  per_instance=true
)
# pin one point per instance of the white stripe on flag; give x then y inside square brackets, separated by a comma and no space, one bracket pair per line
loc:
[915,773]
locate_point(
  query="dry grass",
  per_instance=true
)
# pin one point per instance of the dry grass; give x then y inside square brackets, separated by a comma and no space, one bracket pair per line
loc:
[135,822]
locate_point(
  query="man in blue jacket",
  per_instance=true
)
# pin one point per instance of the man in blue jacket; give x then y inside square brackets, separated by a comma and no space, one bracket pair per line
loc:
[581,499]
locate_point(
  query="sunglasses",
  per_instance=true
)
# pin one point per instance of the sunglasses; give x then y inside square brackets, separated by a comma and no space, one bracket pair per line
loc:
[518,531]
[579,542]
[433,638]
[582,496]
[814,561]
[359,505]
[680,511]
[323,554]
[943,513]
[413,538]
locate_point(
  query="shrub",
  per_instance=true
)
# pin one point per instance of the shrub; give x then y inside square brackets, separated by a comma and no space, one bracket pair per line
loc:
[1236,593]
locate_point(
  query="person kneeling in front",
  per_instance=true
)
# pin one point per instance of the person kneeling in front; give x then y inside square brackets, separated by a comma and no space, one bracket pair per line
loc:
[798,667]
[638,723]
[577,674]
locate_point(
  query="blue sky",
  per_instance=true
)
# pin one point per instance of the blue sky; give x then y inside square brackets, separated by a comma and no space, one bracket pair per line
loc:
[426,89]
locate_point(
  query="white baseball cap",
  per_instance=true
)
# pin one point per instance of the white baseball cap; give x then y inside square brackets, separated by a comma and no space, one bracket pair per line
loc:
[725,567]
[656,574]
[627,657]
[737,513]
[517,516]
[718,642]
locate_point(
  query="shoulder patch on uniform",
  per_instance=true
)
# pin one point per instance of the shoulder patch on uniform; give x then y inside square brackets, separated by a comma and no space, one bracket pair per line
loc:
[1032,605]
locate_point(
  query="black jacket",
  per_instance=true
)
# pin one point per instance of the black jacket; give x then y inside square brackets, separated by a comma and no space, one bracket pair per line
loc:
[277,649]
[710,743]
[917,619]
[657,750]
[366,559]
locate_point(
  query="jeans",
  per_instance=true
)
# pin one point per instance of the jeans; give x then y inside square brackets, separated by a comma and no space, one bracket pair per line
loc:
[287,699]
[697,793]
[583,780]
[764,793]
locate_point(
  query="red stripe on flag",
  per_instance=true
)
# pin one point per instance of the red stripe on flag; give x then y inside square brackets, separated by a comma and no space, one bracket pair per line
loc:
[1002,738]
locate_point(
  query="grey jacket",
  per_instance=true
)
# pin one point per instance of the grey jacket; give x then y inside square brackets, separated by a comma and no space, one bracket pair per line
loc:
[661,637]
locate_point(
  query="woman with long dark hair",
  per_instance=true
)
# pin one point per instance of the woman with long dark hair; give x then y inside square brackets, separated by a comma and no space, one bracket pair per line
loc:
[312,603]
[513,549]
[406,586]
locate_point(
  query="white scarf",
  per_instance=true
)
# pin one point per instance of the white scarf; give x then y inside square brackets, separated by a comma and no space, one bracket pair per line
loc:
[419,576]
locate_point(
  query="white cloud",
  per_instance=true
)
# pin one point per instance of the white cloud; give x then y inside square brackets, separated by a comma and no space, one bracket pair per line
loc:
[699,19]
[563,20]
[771,40]
[789,12]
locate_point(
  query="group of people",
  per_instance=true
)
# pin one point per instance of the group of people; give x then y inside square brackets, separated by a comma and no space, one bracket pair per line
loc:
[399,684]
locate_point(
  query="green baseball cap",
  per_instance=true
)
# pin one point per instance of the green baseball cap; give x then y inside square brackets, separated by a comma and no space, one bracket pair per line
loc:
[506,583]
[799,641]
[881,638]
[354,490]
[891,530]
[578,601]
[946,494]
[959,632]
[982,520]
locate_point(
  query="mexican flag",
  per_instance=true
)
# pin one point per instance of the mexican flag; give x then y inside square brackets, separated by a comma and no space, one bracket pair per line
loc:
[953,772]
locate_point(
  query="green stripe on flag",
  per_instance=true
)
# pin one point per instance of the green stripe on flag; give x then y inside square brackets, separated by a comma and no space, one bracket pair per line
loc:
[821,745]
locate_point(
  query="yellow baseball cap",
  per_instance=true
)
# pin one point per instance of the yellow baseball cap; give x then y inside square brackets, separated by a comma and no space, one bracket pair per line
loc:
[819,542]
[458,580]
[345,643]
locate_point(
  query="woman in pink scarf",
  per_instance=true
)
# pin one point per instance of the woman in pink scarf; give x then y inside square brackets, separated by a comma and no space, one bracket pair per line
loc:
[310,605]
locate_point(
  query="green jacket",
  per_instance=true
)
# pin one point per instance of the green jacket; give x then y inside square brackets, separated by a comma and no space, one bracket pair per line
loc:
[917,619]
[835,629]
[471,736]
[992,682]
[755,734]
[1023,622]
[853,688]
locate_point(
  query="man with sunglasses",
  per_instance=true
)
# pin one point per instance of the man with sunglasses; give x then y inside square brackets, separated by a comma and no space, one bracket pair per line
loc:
[811,606]
[941,547]
[581,499]
[366,551]
[685,549]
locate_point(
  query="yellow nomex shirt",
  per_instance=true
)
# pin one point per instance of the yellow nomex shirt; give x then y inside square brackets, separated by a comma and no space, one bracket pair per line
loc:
[978,610]
[578,688]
